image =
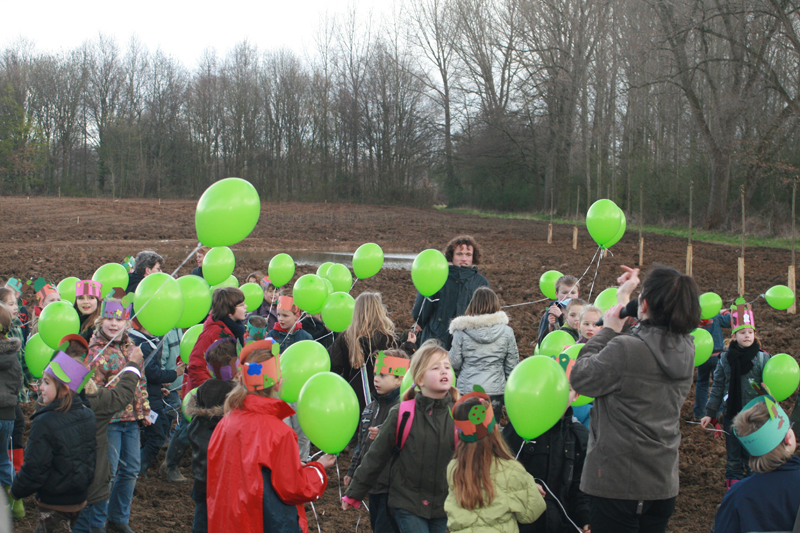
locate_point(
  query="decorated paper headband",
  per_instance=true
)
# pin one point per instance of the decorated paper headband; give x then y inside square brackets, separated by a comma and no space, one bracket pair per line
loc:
[116,305]
[43,289]
[217,370]
[771,434]
[265,282]
[742,315]
[88,287]
[69,372]
[15,284]
[129,262]
[263,375]
[565,362]
[480,419]
[257,334]
[395,366]
[287,304]
[64,344]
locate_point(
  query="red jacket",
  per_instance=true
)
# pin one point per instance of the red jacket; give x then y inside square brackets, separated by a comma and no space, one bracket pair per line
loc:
[197,371]
[245,443]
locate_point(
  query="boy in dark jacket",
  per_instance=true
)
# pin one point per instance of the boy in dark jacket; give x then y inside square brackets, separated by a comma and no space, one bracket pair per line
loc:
[553,317]
[288,330]
[206,409]
[390,367]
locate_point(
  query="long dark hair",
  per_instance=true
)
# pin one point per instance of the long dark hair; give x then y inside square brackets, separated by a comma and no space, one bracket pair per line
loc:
[672,299]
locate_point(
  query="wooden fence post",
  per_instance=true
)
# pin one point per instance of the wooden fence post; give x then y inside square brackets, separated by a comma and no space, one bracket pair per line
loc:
[791,281]
[641,223]
[550,227]
[741,259]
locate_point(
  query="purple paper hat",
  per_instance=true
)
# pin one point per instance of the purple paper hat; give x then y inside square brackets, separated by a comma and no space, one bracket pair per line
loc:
[69,372]
[218,371]
[116,305]
[87,287]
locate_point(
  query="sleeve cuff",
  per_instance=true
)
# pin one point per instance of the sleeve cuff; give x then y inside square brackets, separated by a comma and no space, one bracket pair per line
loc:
[351,502]
[132,368]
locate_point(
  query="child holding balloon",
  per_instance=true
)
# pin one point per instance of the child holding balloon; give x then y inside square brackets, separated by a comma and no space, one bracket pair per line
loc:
[418,479]
[741,364]
[553,318]
[289,329]
[88,295]
[255,480]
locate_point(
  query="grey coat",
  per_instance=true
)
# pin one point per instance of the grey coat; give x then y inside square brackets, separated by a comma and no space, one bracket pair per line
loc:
[484,352]
[639,382]
[10,375]
[722,380]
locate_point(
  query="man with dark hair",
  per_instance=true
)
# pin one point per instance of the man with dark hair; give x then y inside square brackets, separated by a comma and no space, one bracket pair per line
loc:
[433,315]
[147,262]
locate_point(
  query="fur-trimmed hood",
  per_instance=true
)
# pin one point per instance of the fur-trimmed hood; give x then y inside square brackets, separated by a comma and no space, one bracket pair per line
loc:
[10,346]
[464,323]
[194,410]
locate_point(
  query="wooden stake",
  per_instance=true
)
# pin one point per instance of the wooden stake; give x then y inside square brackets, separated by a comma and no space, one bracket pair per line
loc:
[791,281]
[689,246]
[741,277]
[79,220]
[792,285]
[641,224]
[575,237]
[641,251]
[159,201]
[689,260]
[550,233]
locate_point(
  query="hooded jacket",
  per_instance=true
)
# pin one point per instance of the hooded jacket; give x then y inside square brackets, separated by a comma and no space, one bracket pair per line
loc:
[434,316]
[206,409]
[722,381]
[154,374]
[256,482]
[286,339]
[640,382]
[197,369]
[484,352]
[10,376]
[516,499]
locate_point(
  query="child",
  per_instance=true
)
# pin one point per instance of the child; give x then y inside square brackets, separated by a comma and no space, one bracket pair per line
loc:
[588,320]
[288,330]
[315,327]
[10,383]
[255,277]
[105,403]
[267,309]
[573,320]
[46,293]
[553,317]
[15,286]
[713,326]
[742,363]
[206,410]
[557,457]
[390,367]
[198,257]
[111,339]
[489,490]
[484,351]
[418,481]
[255,480]
[61,450]
[88,295]
[768,500]
[256,329]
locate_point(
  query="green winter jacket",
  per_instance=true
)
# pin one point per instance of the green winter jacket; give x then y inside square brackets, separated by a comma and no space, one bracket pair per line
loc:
[418,479]
[516,499]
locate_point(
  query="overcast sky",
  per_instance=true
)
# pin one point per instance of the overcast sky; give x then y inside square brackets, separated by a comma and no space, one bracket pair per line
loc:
[180,28]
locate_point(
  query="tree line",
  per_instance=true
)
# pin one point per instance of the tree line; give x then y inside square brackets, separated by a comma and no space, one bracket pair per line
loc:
[496,104]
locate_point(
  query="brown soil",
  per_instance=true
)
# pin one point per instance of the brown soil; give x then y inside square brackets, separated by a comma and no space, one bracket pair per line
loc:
[43,237]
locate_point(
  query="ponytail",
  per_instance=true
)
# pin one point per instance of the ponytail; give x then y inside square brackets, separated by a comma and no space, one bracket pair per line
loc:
[673,300]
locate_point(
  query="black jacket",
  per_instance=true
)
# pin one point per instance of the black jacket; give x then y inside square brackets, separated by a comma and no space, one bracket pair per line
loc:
[434,317]
[153,372]
[134,279]
[59,456]
[206,410]
[374,416]
[557,458]
[10,376]
[318,330]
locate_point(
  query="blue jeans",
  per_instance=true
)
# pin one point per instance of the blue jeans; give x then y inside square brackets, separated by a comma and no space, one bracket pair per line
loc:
[91,516]
[6,467]
[179,443]
[173,401]
[737,459]
[155,436]
[200,524]
[704,373]
[408,522]
[123,454]
[379,516]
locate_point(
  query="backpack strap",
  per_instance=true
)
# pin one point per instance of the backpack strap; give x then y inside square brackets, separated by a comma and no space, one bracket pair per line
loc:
[405,419]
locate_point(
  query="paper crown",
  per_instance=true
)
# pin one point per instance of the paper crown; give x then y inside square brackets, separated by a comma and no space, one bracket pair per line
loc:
[771,434]
[219,371]
[741,315]
[565,362]
[395,366]
[87,287]
[115,305]
[14,284]
[129,262]
[480,419]
[69,372]
[64,343]
[263,375]
[257,334]
[43,289]
[287,303]
[266,282]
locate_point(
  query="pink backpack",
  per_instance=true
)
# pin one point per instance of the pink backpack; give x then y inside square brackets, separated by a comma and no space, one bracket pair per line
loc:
[405,419]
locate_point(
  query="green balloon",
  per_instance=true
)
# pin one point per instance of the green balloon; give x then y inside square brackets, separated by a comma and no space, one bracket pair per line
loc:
[622,227]
[703,346]
[328,412]
[573,351]
[781,376]
[603,221]
[218,265]
[253,295]
[340,277]
[554,342]
[429,272]
[186,399]
[547,283]
[111,275]
[196,300]
[281,270]
[582,400]
[309,293]
[67,289]
[227,212]
[188,341]
[37,354]
[780,297]
[536,350]
[606,299]
[710,305]
[536,385]
[368,260]
[230,282]
[337,313]
[159,303]
[58,320]
[299,362]
[323,269]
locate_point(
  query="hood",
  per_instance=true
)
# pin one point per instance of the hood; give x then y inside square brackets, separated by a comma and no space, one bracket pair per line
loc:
[195,411]
[462,273]
[673,353]
[483,329]
[10,345]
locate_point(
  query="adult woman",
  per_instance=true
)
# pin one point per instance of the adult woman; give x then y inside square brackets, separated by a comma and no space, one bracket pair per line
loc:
[639,381]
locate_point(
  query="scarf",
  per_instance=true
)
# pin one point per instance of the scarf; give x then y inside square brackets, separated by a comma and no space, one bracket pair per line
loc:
[236,327]
[741,362]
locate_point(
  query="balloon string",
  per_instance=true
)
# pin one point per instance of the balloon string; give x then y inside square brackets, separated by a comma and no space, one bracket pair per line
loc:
[520,450]
[421,308]
[353,285]
[596,270]
[299,319]
[526,303]
[315,516]
[338,477]
[559,504]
